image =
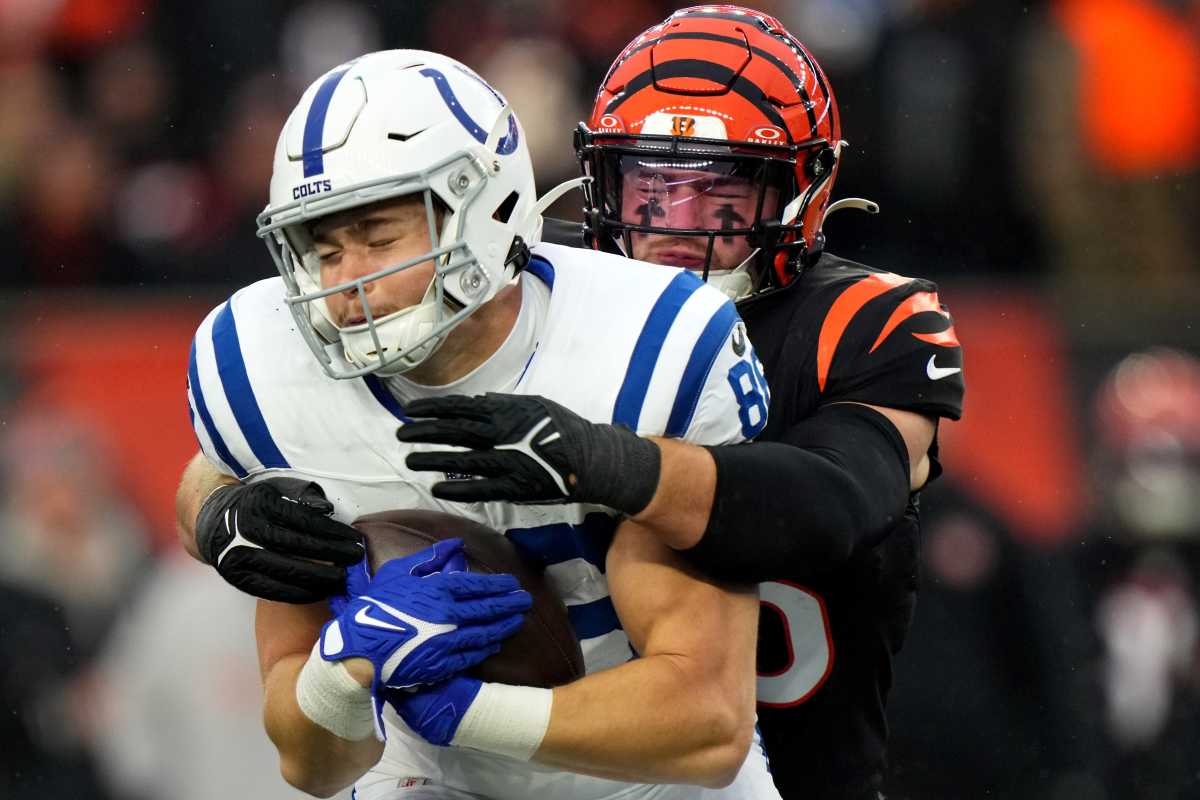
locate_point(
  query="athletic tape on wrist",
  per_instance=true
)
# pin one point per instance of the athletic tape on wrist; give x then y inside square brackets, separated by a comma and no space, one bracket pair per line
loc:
[506,720]
[329,696]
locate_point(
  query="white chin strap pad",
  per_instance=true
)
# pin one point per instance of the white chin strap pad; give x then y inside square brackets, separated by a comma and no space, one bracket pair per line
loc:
[399,332]
[735,283]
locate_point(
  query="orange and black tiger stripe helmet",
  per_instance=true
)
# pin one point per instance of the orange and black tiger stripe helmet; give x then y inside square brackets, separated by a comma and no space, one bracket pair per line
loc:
[726,80]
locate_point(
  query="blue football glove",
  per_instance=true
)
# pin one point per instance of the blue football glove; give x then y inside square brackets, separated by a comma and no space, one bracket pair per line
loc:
[424,629]
[444,556]
[435,712]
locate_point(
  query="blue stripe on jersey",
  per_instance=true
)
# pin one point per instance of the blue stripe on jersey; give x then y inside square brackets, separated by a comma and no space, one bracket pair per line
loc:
[528,361]
[593,619]
[628,408]
[543,269]
[554,544]
[385,398]
[240,394]
[314,125]
[708,346]
[206,418]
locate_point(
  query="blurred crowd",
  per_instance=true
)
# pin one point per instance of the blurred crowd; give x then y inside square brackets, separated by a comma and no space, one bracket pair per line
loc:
[1047,149]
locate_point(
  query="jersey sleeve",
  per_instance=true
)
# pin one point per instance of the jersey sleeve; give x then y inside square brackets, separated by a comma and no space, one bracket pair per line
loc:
[733,401]
[888,340]
[208,435]
[224,409]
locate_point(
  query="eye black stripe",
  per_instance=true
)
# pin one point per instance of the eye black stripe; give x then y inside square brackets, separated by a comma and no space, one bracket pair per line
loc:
[692,68]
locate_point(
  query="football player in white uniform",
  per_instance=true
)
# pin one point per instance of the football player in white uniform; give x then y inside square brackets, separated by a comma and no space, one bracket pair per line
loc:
[404,226]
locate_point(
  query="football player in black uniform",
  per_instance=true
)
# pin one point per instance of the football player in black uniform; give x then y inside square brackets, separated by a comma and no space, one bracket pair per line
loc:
[713,145]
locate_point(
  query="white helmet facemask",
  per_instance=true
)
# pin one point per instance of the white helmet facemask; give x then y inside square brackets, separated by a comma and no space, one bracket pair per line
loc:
[479,188]
[402,339]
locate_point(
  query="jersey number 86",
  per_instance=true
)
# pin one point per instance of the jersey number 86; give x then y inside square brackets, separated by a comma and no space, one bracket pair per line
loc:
[752,394]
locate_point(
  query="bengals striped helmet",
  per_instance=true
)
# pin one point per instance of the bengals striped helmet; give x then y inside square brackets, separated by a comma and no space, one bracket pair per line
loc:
[713,145]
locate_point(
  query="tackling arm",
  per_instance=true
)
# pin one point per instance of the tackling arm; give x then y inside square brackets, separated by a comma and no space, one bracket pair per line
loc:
[837,478]
[862,467]
[684,710]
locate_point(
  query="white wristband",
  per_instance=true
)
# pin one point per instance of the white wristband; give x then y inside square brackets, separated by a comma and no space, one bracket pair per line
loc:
[329,696]
[506,720]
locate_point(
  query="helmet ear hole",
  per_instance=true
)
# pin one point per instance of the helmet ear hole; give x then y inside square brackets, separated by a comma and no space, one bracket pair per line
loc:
[505,209]
[820,163]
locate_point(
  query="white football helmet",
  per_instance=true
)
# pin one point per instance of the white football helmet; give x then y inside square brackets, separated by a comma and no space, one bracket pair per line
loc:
[385,125]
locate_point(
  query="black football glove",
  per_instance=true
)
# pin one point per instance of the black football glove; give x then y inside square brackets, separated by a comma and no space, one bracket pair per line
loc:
[274,539]
[527,449]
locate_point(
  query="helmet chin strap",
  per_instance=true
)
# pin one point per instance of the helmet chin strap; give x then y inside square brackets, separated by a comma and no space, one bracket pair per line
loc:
[735,283]
[399,330]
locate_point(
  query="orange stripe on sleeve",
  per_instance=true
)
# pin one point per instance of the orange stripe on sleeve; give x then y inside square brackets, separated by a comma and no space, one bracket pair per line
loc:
[946,338]
[917,304]
[847,304]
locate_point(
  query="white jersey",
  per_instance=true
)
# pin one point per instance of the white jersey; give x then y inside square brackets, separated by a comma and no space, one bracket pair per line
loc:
[614,340]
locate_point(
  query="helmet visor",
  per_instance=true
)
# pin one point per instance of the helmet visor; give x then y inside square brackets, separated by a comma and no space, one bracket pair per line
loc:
[701,213]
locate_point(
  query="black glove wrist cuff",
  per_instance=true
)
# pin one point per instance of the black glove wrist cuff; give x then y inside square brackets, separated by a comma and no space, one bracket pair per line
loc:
[211,535]
[633,465]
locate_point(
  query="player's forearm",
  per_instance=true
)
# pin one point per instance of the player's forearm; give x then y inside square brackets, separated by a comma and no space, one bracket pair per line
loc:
[198,482]
[310,758]
[659,719]
[834,483]
[678,513]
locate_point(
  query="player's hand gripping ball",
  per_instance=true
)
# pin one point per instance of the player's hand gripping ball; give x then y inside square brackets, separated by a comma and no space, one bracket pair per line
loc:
[275,539]
[544,652]
[423,619]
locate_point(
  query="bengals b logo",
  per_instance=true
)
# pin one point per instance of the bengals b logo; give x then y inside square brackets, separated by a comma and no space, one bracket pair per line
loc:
[683,126]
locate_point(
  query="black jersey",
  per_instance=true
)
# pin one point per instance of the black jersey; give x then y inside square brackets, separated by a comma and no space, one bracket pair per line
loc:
[844,332]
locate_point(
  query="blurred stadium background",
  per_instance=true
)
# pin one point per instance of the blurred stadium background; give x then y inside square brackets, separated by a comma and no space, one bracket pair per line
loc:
[1039,159]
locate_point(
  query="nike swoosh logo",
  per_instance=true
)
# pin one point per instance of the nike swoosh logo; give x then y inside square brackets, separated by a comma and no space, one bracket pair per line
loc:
[424,630]
[936,373]
[363,617]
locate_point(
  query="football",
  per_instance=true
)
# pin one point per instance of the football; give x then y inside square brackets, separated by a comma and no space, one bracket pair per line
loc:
[545,651]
